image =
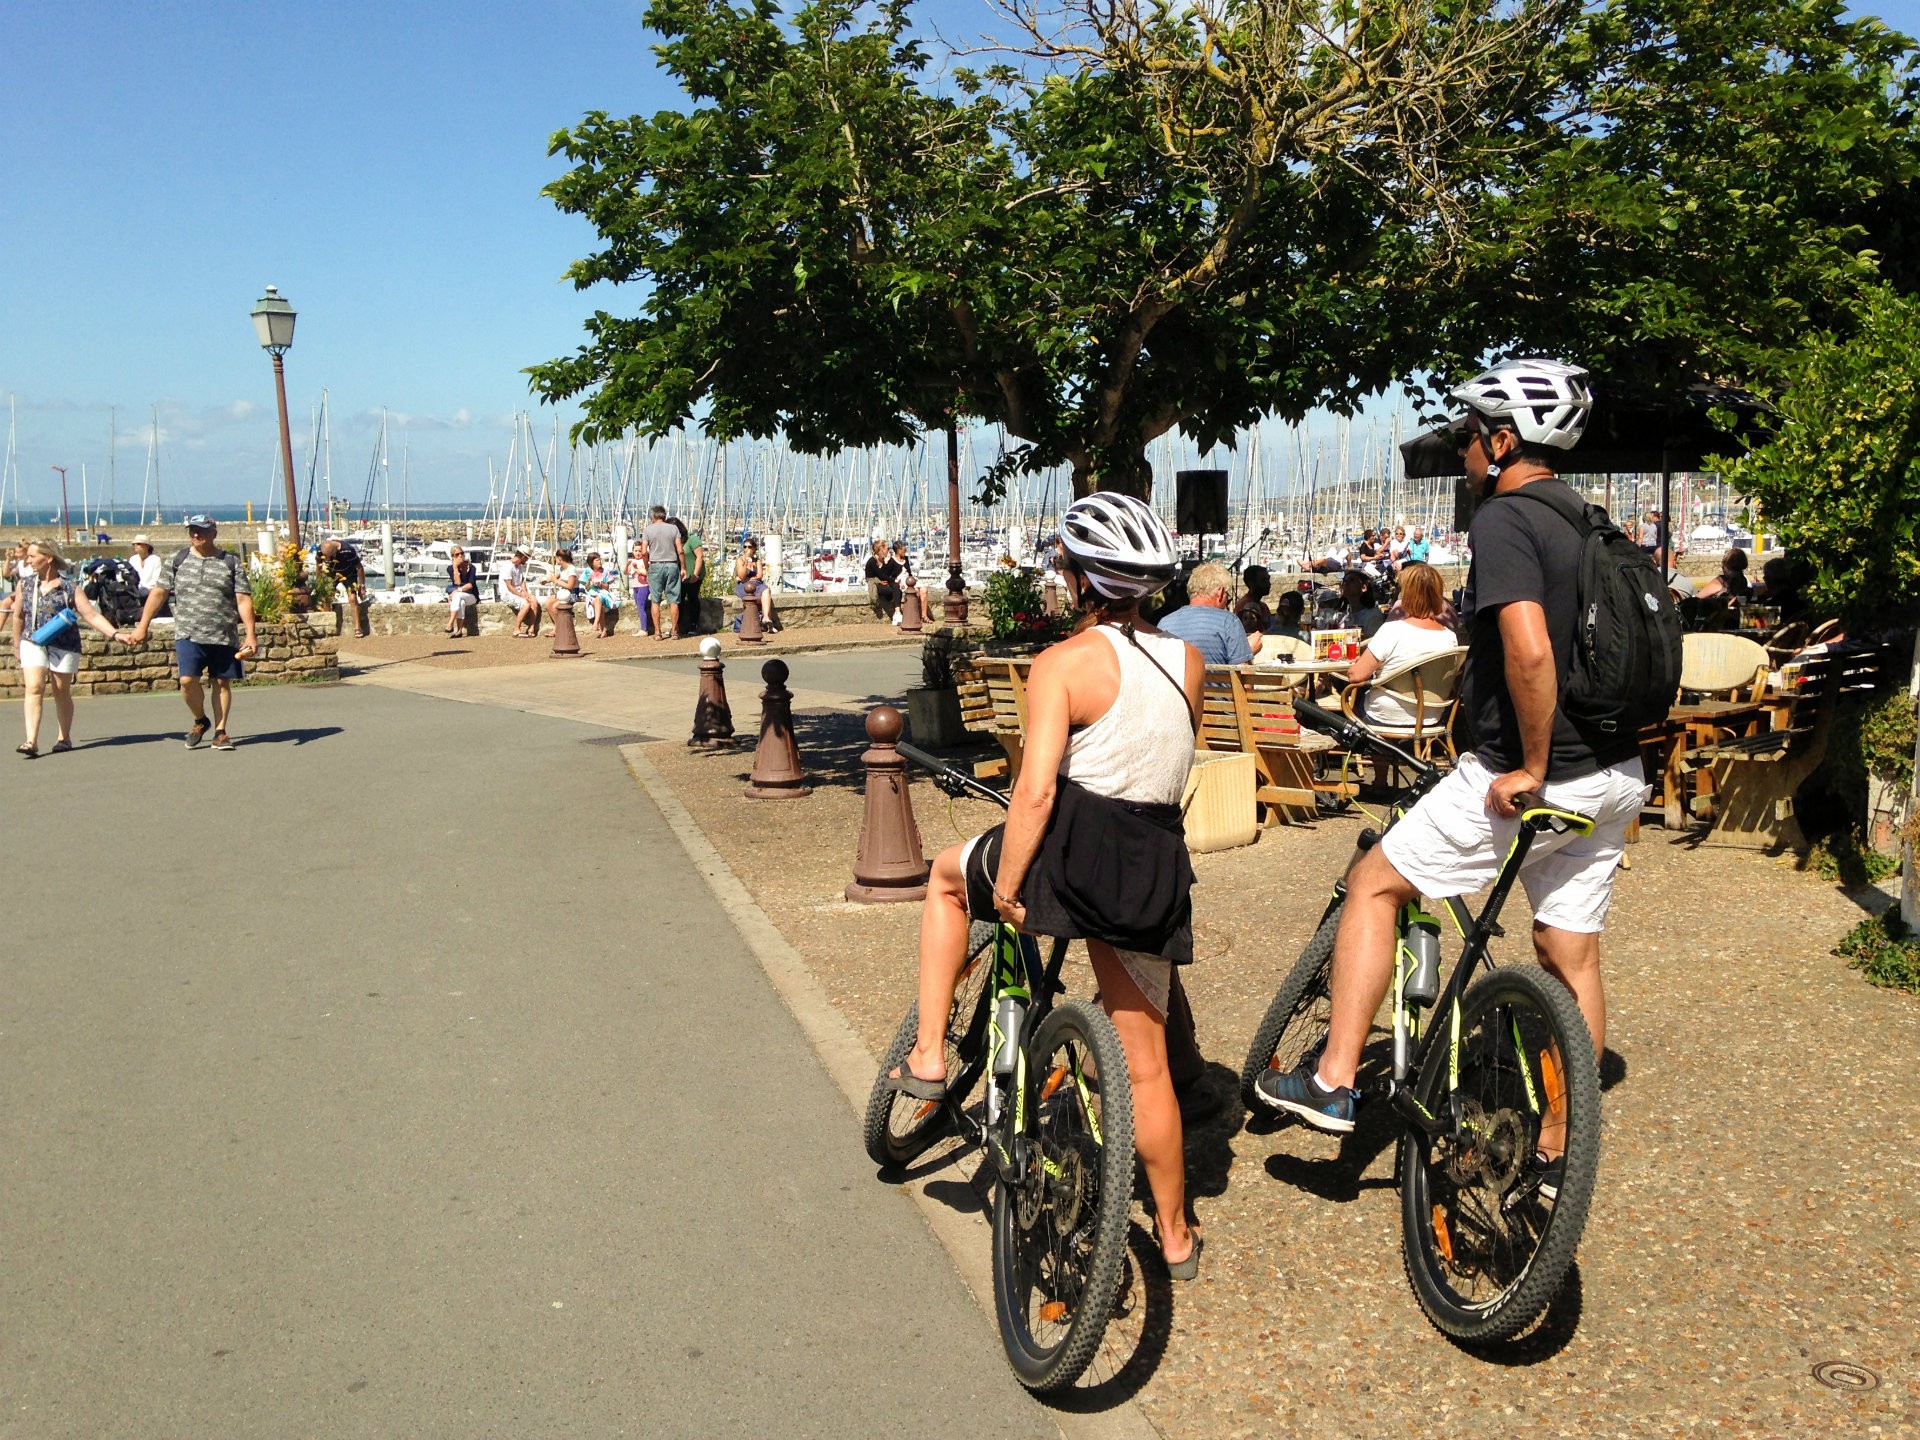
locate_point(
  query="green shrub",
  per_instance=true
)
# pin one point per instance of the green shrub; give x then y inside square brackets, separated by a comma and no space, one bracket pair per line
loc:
[1843,858]
[269,598]
[1883,950]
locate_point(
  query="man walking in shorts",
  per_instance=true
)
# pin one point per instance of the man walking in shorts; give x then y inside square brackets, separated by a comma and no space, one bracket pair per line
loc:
[212,603]
[1521,614]
[665,561]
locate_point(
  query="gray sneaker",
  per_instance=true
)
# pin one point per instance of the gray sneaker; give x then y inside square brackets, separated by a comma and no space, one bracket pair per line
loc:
[222,740]
[1298,1092]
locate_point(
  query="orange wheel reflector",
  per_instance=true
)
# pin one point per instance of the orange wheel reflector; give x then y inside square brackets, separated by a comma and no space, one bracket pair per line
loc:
[1442,1237]
[927,1107]
[1054,1311]
[1054,1082]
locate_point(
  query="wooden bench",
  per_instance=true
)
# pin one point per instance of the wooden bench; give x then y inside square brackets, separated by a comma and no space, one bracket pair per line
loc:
[993,701]
[1245,709]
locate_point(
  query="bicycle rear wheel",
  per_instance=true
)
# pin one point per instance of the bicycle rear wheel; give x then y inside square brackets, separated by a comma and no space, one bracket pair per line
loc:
[1060,1235]
[1486,1247]
[898,1128]
[1295,1025]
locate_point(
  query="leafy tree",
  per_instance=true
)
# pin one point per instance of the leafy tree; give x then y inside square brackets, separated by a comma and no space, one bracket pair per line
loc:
[1160,217]
[1839,476]
[1194,216]
[1709,183]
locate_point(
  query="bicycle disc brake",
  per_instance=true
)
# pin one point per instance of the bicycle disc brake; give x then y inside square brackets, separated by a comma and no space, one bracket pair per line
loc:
[1486,1151]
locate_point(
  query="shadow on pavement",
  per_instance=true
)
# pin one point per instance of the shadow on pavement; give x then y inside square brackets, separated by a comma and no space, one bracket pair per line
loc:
[107,741]
[292,737]
[1145,1301]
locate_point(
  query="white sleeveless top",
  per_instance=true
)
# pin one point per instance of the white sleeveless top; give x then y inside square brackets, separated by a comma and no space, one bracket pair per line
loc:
[1142,748]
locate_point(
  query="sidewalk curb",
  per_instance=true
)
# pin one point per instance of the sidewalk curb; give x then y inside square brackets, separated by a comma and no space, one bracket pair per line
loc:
[851,1066]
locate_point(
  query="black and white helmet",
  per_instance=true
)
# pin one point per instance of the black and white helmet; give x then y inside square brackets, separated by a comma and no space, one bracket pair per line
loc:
[1121,546]
[1545,401]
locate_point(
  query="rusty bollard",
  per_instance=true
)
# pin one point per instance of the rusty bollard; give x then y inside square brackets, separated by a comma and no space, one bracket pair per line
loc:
[912,611]
[777,774]
[888,865]
[712,717]
[955,608]
[565,641]
[751,632]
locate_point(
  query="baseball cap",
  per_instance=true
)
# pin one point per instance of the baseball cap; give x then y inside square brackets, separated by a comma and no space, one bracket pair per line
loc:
[200,522]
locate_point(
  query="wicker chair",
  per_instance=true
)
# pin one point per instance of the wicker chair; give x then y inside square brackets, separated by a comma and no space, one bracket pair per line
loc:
[1722,667]
[1429,687]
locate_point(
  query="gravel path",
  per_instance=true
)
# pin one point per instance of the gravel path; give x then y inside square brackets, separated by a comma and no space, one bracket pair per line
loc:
[1756,1214]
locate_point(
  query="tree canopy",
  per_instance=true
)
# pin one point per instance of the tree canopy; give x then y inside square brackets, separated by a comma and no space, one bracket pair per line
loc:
[1148,217]
[1839,475]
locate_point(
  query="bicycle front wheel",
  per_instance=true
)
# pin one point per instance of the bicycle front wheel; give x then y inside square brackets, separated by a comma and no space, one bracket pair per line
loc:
[1060,1234]
[1295,1025]
[1489,1225]
[898,1128]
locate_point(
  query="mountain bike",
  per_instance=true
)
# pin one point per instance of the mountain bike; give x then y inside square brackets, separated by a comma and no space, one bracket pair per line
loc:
[1056,1127]
[1496,1091]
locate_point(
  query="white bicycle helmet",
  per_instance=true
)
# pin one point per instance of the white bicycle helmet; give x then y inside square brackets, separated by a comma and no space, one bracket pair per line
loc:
[1121,546]
[1546,402]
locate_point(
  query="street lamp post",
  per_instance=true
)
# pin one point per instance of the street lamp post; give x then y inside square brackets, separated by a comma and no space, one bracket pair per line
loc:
[273,322]
[956,606]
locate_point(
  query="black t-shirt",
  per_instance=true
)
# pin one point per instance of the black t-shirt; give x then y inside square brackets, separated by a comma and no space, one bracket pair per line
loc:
[344,565]
[885,571]
[1523,551]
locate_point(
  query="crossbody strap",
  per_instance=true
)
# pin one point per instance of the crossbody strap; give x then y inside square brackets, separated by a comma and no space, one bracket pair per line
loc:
[1193,720]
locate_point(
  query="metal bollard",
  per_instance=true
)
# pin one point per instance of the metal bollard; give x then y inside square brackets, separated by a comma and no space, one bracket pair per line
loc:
[777,773]
[888,866]
[955,609]
[751,632]
[912,611]
[712,717]
[565,641]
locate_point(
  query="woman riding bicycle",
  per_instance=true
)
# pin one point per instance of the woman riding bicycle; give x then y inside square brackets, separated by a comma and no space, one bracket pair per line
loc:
[1093,846]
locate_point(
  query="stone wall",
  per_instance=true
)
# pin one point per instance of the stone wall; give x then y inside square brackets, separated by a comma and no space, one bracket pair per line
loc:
[795,610]
[305,647]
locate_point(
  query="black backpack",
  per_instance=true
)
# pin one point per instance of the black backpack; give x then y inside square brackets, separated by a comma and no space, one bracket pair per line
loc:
[114,588]
[1626,660]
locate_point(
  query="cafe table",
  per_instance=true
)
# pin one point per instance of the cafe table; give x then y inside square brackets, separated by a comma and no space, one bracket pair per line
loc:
[1689,725]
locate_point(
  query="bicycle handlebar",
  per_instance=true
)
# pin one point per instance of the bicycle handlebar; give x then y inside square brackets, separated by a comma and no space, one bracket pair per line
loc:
[950,778]
[1352,735]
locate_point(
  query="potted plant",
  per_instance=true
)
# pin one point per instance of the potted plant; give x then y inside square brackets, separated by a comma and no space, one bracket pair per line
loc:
[1017,615]
[933,706]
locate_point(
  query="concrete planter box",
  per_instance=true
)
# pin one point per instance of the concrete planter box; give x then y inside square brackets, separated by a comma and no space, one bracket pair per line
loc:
[933,717]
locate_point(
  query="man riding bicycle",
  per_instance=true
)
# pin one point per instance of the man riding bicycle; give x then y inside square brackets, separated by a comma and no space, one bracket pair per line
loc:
[1521,614]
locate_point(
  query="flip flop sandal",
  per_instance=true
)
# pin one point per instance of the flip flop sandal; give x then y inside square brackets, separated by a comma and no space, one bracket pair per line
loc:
[30,751]
[59,746]
[905,1082]
[1189,1268]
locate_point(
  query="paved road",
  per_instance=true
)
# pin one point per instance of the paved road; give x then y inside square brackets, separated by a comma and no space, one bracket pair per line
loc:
[397,1075]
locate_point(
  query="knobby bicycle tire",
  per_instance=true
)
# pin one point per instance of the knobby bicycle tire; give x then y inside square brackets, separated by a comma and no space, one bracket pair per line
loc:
[898,1128]
[1295,1024]
[1485,1252]
[1060,1236]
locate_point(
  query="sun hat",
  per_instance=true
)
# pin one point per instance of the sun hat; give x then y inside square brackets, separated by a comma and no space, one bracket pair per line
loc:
[143,540]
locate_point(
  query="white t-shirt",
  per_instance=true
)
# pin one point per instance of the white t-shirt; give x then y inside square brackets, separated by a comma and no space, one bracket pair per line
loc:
[149,571]
[1392,644]
[511,574]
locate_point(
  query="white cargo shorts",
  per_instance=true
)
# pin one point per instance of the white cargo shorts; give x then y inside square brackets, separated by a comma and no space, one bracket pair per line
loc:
[1452,844]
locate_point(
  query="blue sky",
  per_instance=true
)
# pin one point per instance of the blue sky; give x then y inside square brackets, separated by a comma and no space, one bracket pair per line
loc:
[380,163]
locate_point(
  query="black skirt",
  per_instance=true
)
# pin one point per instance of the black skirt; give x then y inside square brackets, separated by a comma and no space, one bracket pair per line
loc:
[1111,870]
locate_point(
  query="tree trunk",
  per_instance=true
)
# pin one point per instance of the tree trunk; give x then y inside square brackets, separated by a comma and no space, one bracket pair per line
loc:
[1121,468]
[1909,884]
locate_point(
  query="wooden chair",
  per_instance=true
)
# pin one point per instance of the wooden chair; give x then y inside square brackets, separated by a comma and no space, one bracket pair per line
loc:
[993,699]
[1428,686]
[1755,777]
[1716,666]
[1244,710]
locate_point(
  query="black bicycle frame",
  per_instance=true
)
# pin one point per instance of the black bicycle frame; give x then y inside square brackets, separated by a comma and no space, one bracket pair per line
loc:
[1017,971]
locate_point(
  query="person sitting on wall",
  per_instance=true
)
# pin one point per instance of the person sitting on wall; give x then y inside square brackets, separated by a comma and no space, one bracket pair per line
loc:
[883,581]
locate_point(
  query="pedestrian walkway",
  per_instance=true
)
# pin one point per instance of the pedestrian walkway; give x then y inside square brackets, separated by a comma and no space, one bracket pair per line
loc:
[397,1074]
